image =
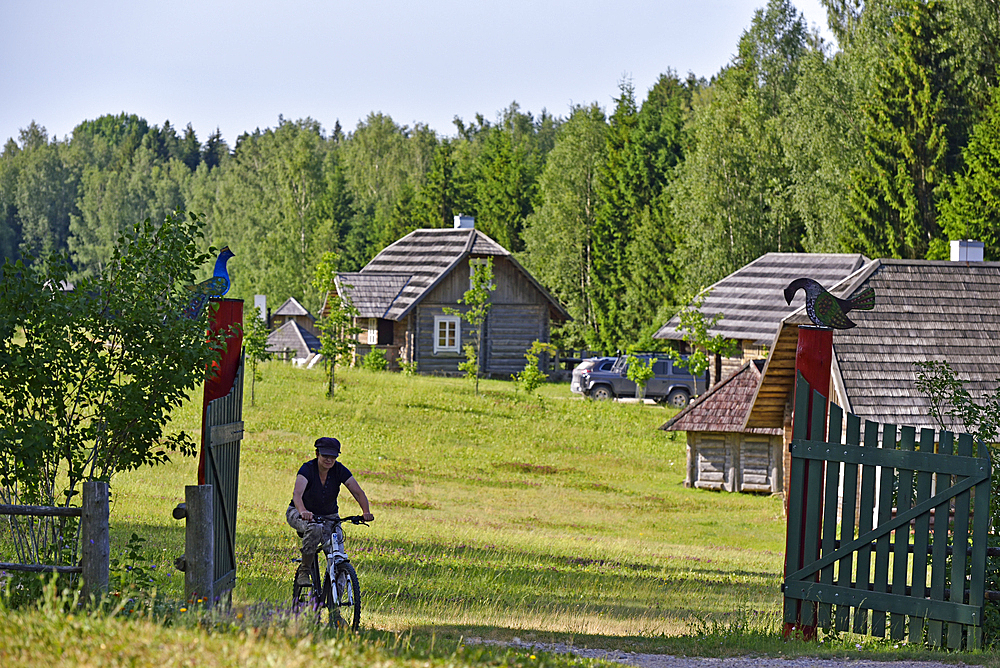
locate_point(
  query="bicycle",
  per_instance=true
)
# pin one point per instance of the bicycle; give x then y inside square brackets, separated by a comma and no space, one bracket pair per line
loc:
[339,587]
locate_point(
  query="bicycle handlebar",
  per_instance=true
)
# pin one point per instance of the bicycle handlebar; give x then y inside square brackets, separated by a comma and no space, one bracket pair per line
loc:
[353,519]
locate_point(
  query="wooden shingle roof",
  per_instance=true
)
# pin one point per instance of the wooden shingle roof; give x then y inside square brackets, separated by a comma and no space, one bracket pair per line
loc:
[427,256]
[750,299]
[372,293]
[416,264]
[724,407]
[292,307]
[946,311]
[293,336]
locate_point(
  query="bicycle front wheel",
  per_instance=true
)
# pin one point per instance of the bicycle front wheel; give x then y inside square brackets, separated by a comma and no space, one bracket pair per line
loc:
[305,596]
[348,613]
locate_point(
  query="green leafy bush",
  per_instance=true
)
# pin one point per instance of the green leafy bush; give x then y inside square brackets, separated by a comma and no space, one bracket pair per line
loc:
[375,360]
[90,375]
[531,378]
[639,372]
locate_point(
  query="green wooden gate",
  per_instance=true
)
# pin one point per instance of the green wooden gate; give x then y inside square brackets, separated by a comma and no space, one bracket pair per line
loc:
[920,513]
[224,430]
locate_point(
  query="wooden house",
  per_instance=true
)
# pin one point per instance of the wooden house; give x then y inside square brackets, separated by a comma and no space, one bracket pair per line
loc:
[292,341]
[721,453]
[402,293]
[293,310]
[751,304]
[924,310]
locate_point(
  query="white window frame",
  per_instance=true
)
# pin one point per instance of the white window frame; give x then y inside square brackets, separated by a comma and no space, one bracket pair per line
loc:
[447,321]
[372,331]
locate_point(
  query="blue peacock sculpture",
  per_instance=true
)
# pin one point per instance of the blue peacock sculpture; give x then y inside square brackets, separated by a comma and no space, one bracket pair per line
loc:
[217,286]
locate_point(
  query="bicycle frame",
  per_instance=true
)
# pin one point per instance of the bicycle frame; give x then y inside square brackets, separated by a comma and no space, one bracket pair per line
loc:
[340,588]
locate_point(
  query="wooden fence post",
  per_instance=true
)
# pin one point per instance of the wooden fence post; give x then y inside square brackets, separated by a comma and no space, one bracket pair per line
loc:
[199,544]
[96,550]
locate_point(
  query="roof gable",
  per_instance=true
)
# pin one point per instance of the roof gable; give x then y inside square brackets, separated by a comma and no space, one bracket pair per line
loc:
[427,256]
[293,336]
[750,299]
[924,310]
[292,307]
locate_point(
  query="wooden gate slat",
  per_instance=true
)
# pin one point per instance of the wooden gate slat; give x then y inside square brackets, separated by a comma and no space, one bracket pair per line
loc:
[939,551]
[845,567]
[954,613]
[865,521]
[886,528]
[921,529]
[832,493]
[814,500]
[901,540]
[886,476]
[795,509]
[960,536]
[981,525]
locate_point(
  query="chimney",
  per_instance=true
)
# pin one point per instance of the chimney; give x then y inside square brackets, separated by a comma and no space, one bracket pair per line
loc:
[967,250]
[465,223]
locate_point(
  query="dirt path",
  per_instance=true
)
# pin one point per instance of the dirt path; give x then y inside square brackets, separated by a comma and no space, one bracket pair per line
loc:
[669,661]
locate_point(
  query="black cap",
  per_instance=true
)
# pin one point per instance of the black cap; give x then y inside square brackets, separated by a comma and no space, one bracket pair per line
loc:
[327,446]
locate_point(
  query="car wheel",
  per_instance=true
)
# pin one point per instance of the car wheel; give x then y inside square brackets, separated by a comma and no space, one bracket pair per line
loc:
[602,393]
[678,398]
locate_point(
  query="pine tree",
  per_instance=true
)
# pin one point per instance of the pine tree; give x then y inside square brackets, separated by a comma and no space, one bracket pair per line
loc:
[614,225]
[910,139]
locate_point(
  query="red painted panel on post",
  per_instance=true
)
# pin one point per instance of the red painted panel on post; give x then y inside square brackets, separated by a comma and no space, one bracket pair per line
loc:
[813,359]
[219,383]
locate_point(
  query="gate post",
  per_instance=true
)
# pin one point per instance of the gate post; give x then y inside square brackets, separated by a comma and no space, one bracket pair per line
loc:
[95,553]
[221,377]
[199,544]
[813,358]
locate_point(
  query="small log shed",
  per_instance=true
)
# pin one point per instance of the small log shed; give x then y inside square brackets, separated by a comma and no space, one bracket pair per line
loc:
[721,454]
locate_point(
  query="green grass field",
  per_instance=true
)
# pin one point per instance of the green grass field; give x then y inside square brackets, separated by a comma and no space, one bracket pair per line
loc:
[548,518]
[494,512]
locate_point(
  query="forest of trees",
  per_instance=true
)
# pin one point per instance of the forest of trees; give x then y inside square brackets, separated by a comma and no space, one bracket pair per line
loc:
[886,143]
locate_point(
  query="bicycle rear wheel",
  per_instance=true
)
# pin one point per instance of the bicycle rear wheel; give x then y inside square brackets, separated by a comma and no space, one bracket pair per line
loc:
[348,613]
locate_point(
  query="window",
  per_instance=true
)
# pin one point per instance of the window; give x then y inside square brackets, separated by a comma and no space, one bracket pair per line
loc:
[474,264]
[447,334]
[372,331]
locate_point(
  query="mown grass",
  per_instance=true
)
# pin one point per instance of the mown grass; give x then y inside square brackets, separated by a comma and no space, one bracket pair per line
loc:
[548,518]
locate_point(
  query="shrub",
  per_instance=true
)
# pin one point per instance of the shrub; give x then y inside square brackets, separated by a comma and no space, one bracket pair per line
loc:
[375,360]
[531,378]
[90,375]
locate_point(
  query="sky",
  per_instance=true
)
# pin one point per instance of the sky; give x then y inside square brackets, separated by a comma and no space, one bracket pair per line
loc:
[237,66]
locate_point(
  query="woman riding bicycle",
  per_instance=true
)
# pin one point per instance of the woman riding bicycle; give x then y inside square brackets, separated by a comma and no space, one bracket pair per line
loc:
[315,494]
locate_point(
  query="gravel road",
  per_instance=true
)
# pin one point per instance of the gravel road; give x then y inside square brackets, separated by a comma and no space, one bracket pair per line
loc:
[669,661]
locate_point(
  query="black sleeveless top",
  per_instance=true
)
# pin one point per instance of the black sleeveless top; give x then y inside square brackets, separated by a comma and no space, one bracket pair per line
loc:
[318,498]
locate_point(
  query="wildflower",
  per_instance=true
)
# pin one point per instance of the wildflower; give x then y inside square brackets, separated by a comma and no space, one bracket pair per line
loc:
[185,610]
[858,646]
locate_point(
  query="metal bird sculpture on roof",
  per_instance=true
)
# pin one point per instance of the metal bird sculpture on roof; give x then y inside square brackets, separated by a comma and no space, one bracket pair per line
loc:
[216,286]
[824,309]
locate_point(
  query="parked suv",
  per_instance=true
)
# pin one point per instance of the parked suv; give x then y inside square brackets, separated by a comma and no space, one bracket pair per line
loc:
[606,378]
